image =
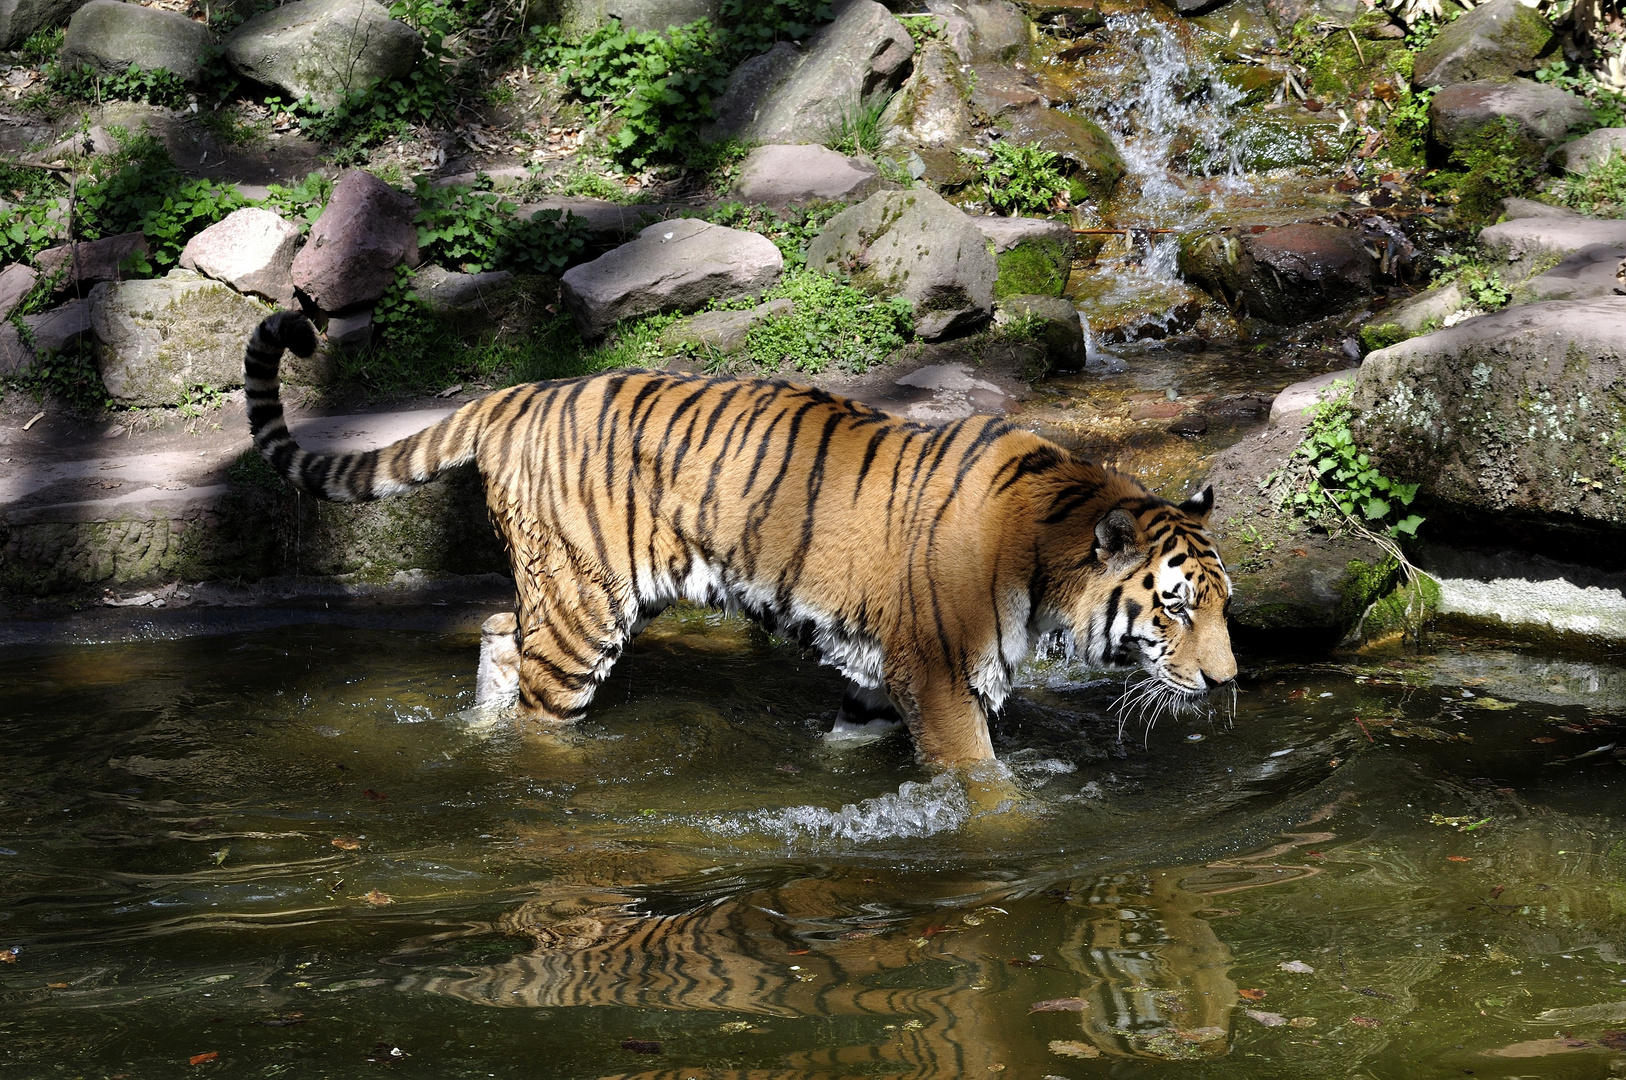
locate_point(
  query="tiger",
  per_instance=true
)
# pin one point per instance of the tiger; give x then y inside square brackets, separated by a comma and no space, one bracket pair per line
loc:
[922,561]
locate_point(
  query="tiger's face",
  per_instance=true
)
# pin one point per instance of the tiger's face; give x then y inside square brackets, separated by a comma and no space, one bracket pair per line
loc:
[1161,603]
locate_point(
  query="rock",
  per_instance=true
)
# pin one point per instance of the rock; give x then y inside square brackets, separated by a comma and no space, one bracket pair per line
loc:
[996,90]
[1523,242]
[502,178]
[722,332]
[938,393]
[578,15]
[1067,18]
[1189,425]
[1290,406]
[676,265]
[1062,333]
[1515,207]
[1507,420]
[1590,150]
[158,339]
[354,247]
[915,245]
[999,30]
[251,249]
[1588,273]
[323,49]
[1033,255]
[1539,113]
[20,18]
[88,143]
[450,294]
[931,108]
[353,331]
[1335,13]
[110,36]
[1495,39]
[1267,140]
[48,332]
[1090,161]
[90,261]
[1286,274]
[15,281]
[1534,597]
[789,95]
[781,175]
[606,222]
[1414,315]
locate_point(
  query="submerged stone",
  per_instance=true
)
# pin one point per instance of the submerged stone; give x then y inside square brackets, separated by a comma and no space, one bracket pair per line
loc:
[1283,275]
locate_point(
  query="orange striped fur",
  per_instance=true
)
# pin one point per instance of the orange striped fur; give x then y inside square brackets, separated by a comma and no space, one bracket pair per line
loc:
[924,561]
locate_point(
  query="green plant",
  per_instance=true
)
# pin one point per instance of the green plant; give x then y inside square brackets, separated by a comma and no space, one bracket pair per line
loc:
[302,202]
[200,398]
[1331,482]
[791,230]
[155,87]
[831,324]
[1599,189]
[1382,336]
[42,46]
[1481,285]
[139,188]
[922,28]
[1608,104]
[69,375]
[586,184]
[859,129]
[476,230]
[1407,128]
[31,226]
[1022,179]
[756,25]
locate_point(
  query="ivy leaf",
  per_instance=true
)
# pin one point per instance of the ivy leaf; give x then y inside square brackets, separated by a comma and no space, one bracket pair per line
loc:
[1407,526]
[1375,508]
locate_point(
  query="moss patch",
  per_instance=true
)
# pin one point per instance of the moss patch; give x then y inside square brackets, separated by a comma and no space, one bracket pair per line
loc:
[1033,269]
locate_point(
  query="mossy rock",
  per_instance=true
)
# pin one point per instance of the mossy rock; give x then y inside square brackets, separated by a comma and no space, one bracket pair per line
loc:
[1037,268]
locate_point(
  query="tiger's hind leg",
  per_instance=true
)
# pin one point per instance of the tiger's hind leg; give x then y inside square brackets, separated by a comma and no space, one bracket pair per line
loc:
[570,634]
[496,681]
[865,715]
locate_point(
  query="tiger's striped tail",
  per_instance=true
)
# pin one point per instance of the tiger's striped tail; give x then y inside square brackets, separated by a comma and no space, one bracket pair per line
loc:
[354,477]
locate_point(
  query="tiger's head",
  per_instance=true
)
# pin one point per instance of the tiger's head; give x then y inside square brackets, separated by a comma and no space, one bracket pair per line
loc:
[1156,596]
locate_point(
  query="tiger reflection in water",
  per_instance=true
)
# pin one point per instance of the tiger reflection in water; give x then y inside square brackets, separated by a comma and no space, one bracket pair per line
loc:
[947,1001]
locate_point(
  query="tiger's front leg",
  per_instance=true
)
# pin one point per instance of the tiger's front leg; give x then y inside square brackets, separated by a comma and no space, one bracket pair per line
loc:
[946,720]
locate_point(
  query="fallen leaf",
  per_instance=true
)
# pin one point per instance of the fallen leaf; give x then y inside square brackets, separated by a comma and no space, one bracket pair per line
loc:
[1252,995]
[1302,1022]
[199,1059]
[1067,1004]
[1365,1021]
[375,795]
[1544,740]
[378,899]
[1202,1034]
[798,952]
[1494,705]
[1269,1019]
[1498,891]
[641,1046]
[346,843]
[933,931]
[1073,1049]
[1458,858]
[1297,967]
[1539,1048]
[1614,1040]
[10,954]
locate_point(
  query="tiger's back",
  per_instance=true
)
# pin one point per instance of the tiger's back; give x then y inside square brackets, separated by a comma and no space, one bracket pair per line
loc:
[921,560]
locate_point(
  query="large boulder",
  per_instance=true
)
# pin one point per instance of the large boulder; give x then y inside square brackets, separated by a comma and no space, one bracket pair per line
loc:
[1034,255]
[323,49]
[365,232]
[1089,159]
[110,36]
[1579,155]
[1283,275]
[251,249]
[1056,324]
[1494,40]
[983,30]
[782,175]
[42,334]
[931,109]
[1592,271]
[915,245]
[1519,245]
[791,95]
[15,282]
[676,265]
[1512,416]
[160,338]
[1539,113]
[20,18]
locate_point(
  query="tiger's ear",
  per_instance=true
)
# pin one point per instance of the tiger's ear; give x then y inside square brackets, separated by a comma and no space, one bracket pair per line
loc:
[1114,535]
[1199,505]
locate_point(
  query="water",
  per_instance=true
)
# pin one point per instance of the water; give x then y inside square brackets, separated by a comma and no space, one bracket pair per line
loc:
[297,850]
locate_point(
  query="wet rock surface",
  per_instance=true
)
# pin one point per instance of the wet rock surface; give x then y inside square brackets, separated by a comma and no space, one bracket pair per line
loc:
[1285,274]
[676,265]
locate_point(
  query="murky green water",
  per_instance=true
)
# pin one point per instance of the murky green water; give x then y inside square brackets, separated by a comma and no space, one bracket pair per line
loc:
[291,849]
